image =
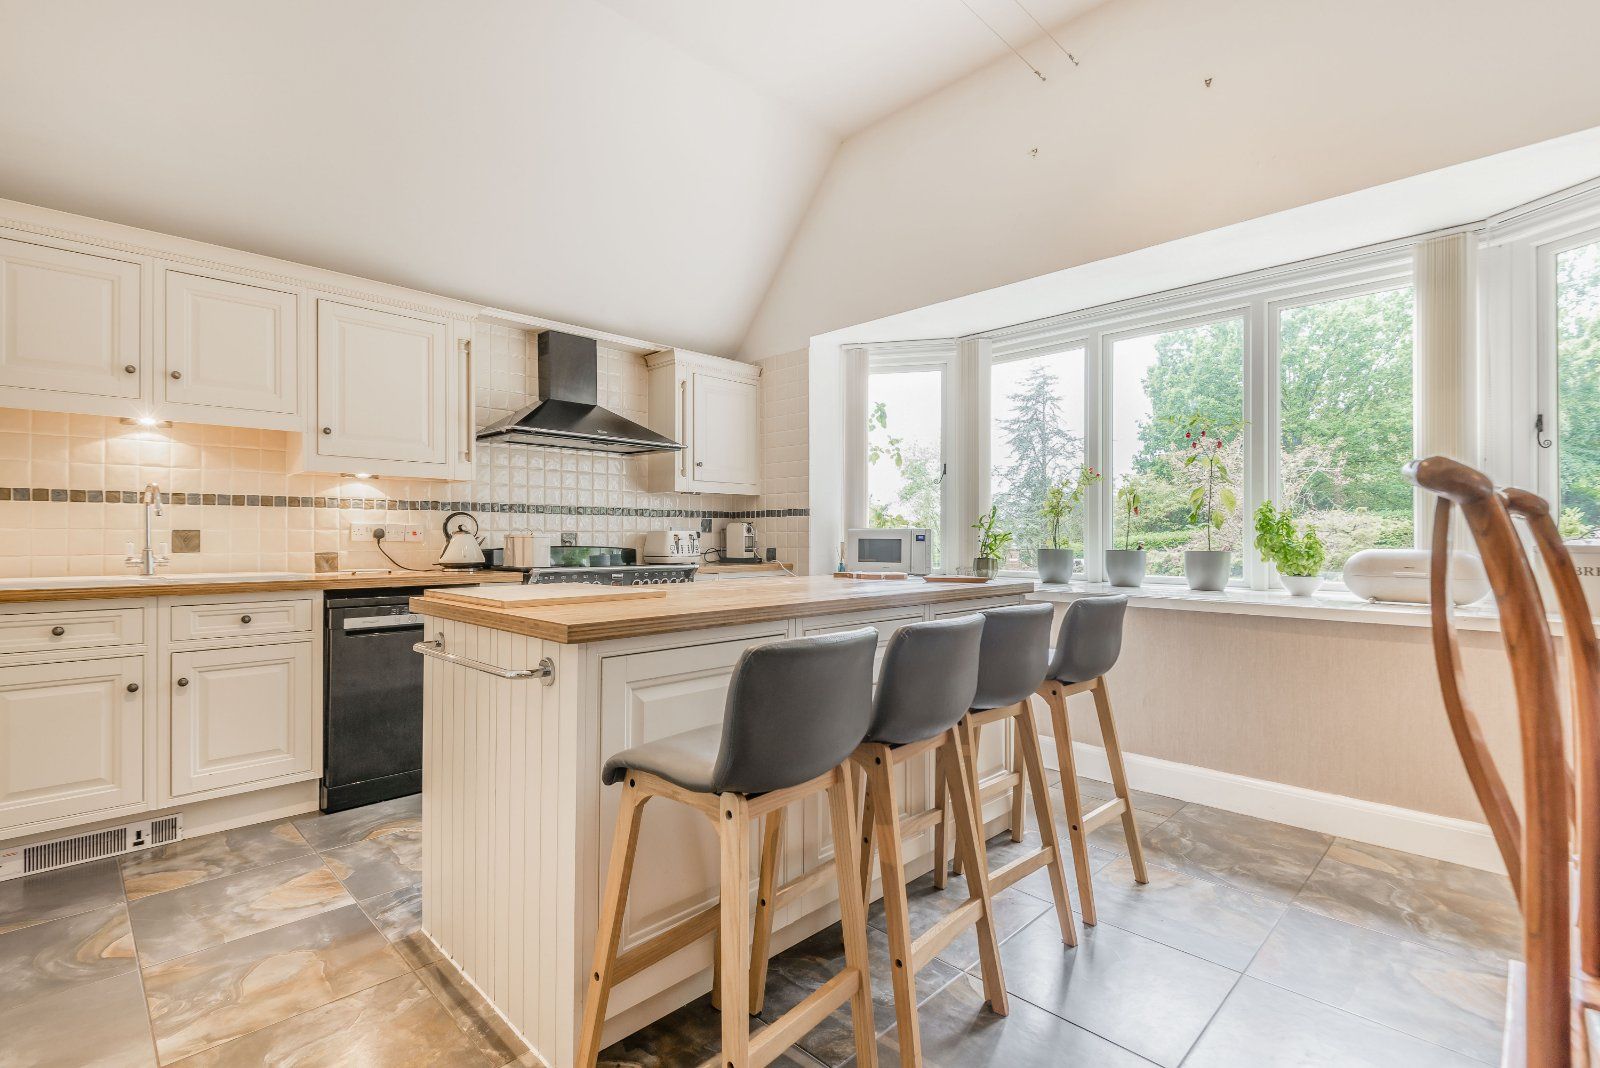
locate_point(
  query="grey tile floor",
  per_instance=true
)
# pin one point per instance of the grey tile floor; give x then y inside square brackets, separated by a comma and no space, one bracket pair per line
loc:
[296,943]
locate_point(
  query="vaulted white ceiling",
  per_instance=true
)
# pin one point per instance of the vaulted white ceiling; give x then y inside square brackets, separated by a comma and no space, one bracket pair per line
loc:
[630,165]
[848,63]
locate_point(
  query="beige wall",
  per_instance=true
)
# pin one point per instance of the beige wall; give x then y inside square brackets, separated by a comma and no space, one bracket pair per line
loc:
[1345,708]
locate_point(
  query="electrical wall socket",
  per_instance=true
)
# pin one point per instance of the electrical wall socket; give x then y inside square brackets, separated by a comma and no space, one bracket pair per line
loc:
[361,532]
[404,533]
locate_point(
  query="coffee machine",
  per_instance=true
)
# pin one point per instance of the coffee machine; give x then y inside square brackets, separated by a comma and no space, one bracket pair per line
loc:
[739,543]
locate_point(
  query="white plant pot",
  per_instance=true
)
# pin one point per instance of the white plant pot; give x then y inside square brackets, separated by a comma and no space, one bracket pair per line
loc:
[1301,585]
[1125,567]
[1055,565]
[1207,569]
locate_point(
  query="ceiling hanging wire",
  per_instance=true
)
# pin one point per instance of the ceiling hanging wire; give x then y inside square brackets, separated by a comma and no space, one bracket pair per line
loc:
[1047,33]
[1036,71]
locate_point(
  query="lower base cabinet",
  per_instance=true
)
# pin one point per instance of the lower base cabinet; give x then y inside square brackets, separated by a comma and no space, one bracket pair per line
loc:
[71,738]
[240,715]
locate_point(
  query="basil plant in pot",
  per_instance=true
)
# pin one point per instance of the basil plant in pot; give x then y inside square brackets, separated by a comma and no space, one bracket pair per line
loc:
[1125,566]
[992,542]
[1299,555]
[1061,501]
[1211,502]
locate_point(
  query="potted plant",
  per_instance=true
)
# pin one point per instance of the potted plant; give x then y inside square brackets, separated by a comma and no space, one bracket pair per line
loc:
[1211,501]
[1125,566]
[992,542]
[1060,501]
[1299,556]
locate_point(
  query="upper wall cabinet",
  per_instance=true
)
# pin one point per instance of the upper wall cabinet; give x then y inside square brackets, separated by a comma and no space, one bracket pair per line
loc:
[229,349]
[712,406]
[383,387]
[70,326]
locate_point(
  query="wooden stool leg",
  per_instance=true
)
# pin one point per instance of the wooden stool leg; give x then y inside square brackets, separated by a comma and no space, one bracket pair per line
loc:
[1028,743]
[733,834]
[624,845]
[896,909]
[969,737]
[1018,792]
[761,944]
[962,799]
[853,923]
[1065,760]
[941,830]
[868,831]
[1119,778]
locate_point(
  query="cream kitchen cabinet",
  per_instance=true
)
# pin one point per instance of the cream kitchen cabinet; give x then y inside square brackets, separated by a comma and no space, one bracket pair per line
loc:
[229,350]
[240,715]
[713,407]
[386,393]
[72,739]
[72,334]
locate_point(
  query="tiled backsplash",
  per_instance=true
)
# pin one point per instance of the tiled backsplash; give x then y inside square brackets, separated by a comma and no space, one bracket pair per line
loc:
[80,473]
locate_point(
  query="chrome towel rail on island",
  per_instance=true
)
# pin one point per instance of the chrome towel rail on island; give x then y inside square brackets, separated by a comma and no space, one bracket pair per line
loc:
[545,672]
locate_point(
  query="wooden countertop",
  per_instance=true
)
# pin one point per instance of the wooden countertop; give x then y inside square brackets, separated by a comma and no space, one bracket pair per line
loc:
[176,586]
[696,606]
[762,568]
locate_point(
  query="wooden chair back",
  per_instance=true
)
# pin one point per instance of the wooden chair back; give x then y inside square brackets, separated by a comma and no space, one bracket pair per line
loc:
[1536,848]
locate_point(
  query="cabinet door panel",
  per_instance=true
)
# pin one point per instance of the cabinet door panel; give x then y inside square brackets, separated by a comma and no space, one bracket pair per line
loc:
[230,345]
[71,738]
[240,715]
[382,385]
[69,321]
[644,697]
[727,440]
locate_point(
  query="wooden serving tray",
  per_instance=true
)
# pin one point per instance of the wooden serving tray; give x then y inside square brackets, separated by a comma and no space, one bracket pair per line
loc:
[517,598]
[953,578]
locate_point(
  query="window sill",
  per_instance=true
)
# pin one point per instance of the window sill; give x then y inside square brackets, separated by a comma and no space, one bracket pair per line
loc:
[1338,606]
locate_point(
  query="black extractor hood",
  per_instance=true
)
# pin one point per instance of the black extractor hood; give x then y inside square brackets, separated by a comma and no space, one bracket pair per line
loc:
[567,416]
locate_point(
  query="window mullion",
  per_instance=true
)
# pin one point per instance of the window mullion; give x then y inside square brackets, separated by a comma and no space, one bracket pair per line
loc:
[1098,513]
[1261,467]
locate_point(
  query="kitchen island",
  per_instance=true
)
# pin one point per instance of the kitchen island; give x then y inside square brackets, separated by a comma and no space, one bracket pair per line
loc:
[522,708]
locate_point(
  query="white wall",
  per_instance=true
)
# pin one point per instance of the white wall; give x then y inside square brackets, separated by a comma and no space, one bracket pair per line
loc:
[551,157]
[1308,101]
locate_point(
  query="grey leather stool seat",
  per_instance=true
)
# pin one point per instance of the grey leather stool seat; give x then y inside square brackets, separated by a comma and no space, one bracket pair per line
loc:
[1013,662]
[796,711]
[1087,646]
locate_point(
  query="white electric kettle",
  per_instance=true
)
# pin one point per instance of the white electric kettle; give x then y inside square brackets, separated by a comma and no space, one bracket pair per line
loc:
[464,549]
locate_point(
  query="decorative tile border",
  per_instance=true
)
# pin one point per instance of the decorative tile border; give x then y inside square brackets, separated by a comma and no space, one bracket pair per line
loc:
[380,504]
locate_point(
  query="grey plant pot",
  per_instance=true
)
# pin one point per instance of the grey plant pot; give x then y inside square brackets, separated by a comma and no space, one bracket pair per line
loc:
[1055,565]
[1125,567]
[985,566]
[1207,569]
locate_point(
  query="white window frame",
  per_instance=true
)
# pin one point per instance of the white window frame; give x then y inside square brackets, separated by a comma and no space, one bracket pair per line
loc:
[1257,298]
[902,358]
[1549,388]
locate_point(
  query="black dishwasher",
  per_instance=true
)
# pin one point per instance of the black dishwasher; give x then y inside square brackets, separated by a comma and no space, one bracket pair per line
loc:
[372,698]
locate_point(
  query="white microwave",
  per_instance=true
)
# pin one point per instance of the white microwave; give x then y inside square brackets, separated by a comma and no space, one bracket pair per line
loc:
[891,549]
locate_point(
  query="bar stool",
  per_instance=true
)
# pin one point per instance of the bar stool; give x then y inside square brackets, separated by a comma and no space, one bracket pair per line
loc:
[796,711]
[1013,661]
[929,673]
[1088,645]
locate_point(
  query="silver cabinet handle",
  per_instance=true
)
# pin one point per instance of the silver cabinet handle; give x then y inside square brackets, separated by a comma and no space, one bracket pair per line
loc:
[546,671]
[58,631]
[133,687]
[699,463]
[183,682]
[244,619]
[130,368]
[327,430]
[176,375]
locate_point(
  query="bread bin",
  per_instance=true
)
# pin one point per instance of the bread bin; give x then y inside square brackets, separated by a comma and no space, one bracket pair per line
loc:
[1402,575]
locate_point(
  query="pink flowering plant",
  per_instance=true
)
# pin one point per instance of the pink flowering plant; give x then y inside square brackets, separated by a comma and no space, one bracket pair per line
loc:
[1212,499]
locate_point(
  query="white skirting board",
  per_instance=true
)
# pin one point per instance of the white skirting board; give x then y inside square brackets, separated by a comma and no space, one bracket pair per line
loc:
[1422,833]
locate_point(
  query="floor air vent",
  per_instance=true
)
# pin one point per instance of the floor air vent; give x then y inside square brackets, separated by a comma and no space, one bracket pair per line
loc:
[94,845]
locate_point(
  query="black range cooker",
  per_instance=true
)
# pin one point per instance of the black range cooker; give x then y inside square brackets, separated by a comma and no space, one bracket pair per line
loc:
[605,565]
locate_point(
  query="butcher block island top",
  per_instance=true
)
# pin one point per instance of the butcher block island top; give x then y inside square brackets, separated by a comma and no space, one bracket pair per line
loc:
[697,606]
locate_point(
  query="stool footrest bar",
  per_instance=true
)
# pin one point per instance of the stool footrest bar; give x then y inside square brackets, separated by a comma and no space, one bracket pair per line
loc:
[1103,815]
[933,941]
[1019,869]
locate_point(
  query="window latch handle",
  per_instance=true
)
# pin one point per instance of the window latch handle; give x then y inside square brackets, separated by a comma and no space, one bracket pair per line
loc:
[1538,432]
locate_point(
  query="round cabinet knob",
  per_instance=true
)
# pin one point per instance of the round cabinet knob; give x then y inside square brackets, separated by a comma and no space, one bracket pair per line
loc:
[699,463]
[183,682]
[58,631]
[244,619]
[130,369]
[176,375]
[133,687]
